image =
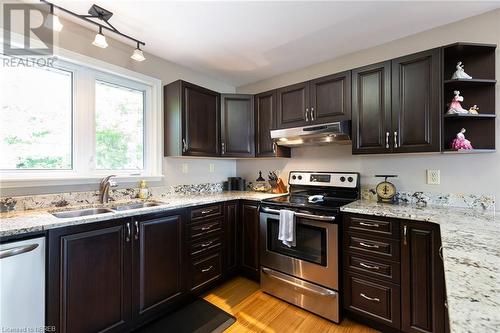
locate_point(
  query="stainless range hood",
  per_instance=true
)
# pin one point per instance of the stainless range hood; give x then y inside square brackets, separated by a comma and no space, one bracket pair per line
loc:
[331,133]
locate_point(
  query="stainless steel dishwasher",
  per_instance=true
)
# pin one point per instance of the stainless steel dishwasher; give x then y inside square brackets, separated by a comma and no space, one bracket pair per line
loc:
[22,286]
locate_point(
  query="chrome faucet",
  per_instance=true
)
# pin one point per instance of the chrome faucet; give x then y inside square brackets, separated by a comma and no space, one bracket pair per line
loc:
[106,183]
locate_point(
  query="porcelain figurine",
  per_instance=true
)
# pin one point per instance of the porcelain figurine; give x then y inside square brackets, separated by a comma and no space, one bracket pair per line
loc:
[460,73]
[455,106]
[474,110]
[460,142]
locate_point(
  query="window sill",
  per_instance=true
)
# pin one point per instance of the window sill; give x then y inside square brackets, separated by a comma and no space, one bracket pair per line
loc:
[63,181]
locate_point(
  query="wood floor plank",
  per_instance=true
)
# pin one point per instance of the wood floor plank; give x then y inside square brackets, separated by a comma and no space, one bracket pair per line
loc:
[256,311]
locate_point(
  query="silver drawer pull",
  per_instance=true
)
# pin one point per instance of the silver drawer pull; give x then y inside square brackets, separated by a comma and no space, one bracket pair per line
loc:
[207,227]
[207,269]
[14,251]
[371,246]
[207,244]
[369,224]
[206,211]
[368,266]
[369,298]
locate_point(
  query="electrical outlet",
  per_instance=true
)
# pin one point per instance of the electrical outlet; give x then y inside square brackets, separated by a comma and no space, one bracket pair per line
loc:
[185,168]
[211,168]
[433,177]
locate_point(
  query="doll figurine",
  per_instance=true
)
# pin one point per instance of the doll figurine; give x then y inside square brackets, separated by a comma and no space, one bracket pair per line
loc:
[460,73]
[460,142]
[474,110]
[455,106]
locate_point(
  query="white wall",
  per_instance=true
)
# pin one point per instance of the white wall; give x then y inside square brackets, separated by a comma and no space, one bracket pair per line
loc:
[476,173]
[77,38]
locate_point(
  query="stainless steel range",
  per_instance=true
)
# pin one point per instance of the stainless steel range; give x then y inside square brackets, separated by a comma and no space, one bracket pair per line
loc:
[307,274]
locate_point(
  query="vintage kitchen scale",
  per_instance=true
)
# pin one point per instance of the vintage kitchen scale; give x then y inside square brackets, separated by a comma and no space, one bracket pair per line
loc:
[386,191]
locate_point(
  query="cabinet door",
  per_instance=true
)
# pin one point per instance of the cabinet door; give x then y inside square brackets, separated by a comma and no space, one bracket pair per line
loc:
[331,98]
[201,121]
[89,279]
[293,106]
[158,263]
[231,241]
[416,91]
[237,126]
[250,240]
[422,278]
[371,109]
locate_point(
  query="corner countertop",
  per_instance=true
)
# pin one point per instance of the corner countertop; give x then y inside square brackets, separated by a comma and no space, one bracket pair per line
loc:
[24,222]
[471,257]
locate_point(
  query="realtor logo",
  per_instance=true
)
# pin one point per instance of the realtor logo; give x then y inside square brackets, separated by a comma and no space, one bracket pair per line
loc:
[26,20]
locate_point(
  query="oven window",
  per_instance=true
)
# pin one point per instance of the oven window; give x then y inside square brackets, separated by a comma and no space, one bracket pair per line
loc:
[311,242]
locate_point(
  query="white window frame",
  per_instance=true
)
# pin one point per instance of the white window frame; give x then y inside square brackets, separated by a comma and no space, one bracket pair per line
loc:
[85,71]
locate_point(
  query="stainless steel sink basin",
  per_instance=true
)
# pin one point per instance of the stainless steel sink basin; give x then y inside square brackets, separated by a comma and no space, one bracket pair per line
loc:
[81,212]
[135,206]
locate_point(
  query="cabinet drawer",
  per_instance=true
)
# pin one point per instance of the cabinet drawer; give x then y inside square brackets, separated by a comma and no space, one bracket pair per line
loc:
[207,211]
[374,267]
[205,270]
[380,301]
[381,227]
[202,246]
[204,229]
[378,247]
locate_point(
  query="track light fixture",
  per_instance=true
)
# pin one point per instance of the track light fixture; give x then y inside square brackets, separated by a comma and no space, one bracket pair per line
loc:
[95,13]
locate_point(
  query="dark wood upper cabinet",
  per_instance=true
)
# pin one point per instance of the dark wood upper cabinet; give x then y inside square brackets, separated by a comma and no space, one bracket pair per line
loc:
[192,120]
[158,262]
[371,109]
[416,107]
[293,105]
[250,240]
[265,121]
[330,98]
[422,278]
[237,126]
[89,278]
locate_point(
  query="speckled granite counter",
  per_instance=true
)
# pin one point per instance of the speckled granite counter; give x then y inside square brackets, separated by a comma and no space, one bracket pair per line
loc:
[471,255]
[21,222]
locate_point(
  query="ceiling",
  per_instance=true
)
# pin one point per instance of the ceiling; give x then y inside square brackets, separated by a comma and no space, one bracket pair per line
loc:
[244,42]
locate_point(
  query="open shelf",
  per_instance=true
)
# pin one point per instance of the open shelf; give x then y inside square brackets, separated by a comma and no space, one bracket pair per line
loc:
[479,116]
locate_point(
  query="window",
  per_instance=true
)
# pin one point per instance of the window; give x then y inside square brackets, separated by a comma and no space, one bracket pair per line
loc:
[75,121]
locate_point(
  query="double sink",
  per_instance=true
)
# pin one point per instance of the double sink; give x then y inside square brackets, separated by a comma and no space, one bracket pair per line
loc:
[102,210]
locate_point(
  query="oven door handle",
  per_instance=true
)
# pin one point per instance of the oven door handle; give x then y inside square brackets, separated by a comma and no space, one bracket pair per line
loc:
[307,286]
[307,216]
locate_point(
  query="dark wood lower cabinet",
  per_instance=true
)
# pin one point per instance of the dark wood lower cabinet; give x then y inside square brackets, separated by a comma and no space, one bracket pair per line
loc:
[402,293]
[231,242]
[250,240]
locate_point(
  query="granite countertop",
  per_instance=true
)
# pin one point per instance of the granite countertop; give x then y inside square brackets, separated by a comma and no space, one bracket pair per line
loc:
[22,222]
[471,256]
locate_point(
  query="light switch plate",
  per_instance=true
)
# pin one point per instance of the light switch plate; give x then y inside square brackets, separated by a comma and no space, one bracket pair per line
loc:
[433,177]
[185,168]
[211,168]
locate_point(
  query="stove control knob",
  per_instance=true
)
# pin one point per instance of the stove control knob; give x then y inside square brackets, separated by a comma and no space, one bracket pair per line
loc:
[342,179]
[300,177]
[294,177]
[350,179]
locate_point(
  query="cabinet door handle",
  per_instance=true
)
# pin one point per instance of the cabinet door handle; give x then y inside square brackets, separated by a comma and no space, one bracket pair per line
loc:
[440,251]
[371,246]
[387,140]
[362,264]
[274,147]
[396,139]
[307,115]
[184,145]
[312,114]
[129,233]
[405,234]
[136,236]
[207,269]
[223,148]
[369,298]
[375,225]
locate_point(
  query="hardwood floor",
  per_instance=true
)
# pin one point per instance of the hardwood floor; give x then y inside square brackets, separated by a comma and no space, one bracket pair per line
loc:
[256,311]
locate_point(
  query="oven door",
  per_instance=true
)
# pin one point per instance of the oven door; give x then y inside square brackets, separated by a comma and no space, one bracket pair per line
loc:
[315,256]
